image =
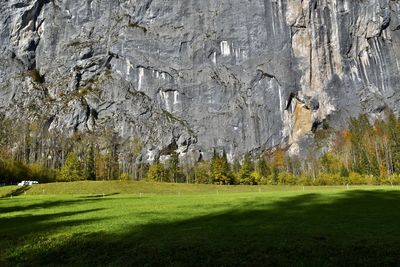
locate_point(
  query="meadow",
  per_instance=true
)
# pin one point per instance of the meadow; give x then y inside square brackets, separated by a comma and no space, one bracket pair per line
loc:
[145,224]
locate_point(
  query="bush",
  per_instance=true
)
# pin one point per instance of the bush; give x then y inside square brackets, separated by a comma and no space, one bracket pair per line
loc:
[125,177]
[256,177]
[391,180]
[36,76]
[286,178]
[303,179]
[357,179]
[40,173]
[323,179]
[330,179]
[269,180]
[12,172]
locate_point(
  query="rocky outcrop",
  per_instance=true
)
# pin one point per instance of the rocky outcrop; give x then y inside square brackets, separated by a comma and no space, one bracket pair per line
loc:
[237,75]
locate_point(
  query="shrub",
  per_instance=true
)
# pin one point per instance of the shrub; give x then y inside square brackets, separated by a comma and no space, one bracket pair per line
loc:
[269,180]
[323,179]
[36,77]
[356,179]
[256,177]
[286,178]
[42,174]
[330,179]
[124,177]
[303,179]
[391,180]
[12,172]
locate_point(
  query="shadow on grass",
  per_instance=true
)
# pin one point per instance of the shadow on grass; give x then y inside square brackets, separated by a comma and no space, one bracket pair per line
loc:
[20,226]
[49,204]
[101,195]
[17,192]
[356,228]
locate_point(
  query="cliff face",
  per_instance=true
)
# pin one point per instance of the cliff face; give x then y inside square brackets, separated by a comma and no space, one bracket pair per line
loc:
[235,74]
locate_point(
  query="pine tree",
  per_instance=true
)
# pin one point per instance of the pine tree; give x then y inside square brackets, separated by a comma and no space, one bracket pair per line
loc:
[330,163]
[174,170]
[279,159]
[262,168]
[202,174]
[90,170]
[278,164]
[394,137]
[219,169]
[137,147]
[363,147]
[244,174]
[156,172]
[100,164]
[72,169]
[236,166]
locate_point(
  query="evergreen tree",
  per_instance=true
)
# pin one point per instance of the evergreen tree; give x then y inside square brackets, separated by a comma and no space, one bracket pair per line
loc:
[219,172]
[244,174]
[101,168]
[137,147]
[278,164]
[236,166]
[174,170]
[393,126]
[202,175]
[157,173]
[72,169]
[364,159]
[330,163]
[262,168]
[90,170]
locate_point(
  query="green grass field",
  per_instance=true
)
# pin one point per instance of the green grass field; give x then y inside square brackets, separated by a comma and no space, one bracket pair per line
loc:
[141,224]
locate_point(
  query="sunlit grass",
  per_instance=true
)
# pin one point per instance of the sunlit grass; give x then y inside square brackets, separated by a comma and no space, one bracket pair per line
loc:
[145,188]
[189,225]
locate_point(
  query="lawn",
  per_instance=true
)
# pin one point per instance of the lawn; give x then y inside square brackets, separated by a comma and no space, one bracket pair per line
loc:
[139,224]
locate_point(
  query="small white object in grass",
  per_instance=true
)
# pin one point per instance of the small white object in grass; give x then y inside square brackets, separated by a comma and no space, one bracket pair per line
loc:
[347,186]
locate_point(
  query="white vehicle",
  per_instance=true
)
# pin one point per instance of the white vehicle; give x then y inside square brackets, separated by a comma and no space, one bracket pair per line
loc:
[28,183]
[23,183]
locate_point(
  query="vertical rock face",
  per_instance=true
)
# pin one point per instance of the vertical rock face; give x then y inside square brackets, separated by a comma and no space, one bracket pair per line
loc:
[239,75]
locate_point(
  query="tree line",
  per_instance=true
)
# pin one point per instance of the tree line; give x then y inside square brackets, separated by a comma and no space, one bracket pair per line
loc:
[365,153]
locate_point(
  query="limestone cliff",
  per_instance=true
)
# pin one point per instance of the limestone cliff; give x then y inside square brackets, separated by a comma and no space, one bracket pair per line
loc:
[243,75]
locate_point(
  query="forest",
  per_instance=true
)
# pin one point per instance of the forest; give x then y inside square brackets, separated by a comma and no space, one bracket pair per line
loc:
[365,153]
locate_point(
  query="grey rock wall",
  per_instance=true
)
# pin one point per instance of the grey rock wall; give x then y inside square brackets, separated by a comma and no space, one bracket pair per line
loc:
[239,75]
